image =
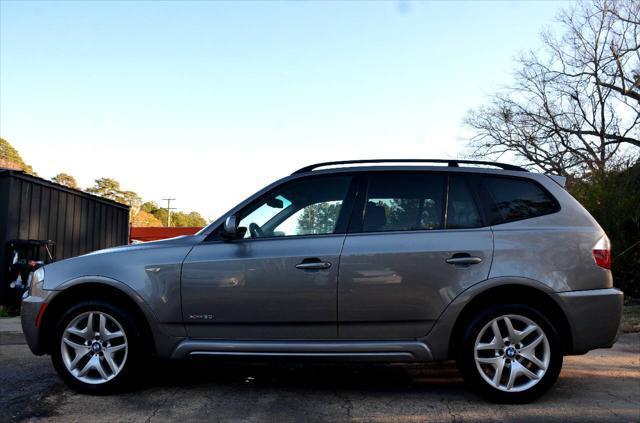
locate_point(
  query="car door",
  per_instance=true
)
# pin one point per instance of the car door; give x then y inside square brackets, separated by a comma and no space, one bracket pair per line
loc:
[280,280]
[421,241]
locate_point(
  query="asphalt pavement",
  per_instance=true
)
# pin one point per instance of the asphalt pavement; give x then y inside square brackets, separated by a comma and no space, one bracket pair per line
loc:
[603,385]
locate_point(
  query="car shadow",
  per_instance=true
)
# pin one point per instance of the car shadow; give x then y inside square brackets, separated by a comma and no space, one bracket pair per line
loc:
[297,374]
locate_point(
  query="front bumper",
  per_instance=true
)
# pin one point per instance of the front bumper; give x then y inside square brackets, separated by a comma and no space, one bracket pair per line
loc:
[31,306]
[595,317]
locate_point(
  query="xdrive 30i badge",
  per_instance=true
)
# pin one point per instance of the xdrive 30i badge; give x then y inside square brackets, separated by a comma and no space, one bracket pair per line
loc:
[201,317]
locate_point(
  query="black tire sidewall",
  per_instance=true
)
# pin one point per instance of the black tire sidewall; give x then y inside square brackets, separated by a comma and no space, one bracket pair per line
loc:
[466,360]
[122,379]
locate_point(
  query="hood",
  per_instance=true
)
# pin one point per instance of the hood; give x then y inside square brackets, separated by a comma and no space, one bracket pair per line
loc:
[126,264]
[169,242]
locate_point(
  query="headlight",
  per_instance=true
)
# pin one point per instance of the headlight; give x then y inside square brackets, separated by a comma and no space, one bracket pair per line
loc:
[37,278]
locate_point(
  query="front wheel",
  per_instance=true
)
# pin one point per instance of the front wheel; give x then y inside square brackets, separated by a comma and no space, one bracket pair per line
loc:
[510,353]
[96,347]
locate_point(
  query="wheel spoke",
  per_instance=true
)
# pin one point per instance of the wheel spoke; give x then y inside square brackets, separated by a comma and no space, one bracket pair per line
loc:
[90,329]
[113,335]
[100,369]
[496,331]
[112,364]
[498,375]
[88,366]
[533,344]
[82,333]
[74,345]
[526,332]
[530,356]
[79,356]
[524,371]
[102,326]
[511,332]
[116,348]
[495,344]
[513,374]
[490,360]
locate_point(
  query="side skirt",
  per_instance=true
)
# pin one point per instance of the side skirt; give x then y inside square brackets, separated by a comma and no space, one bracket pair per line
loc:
[381,351]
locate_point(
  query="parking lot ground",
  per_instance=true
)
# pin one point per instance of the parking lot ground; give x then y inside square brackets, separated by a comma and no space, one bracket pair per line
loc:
[603,385]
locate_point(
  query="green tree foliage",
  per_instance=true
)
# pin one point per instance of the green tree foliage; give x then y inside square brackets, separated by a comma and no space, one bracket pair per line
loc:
[144,219]
[614,201]
[318,218]
[107,188]
[179,218]
[10,158]
[110,188]
[66,180]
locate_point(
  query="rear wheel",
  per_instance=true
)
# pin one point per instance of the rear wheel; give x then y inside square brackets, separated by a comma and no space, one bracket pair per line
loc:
[510,353]
[96,347]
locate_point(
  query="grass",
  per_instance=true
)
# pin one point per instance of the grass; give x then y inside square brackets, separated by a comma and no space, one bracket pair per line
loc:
[3,312]
[631,318]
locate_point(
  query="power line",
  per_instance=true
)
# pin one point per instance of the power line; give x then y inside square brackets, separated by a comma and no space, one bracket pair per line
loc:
[169,208]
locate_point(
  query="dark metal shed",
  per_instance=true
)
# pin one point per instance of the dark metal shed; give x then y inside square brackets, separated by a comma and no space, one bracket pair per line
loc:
[36,209]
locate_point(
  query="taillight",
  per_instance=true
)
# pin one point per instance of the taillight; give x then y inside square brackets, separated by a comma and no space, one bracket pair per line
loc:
[602,252]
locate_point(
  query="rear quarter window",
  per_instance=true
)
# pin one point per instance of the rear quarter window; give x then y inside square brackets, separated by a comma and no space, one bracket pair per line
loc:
[518,199]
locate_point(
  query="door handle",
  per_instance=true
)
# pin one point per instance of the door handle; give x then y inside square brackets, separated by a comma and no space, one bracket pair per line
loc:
[316,264]
[463,259]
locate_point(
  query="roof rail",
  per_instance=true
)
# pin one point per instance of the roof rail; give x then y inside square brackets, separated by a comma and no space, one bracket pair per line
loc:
[450,163]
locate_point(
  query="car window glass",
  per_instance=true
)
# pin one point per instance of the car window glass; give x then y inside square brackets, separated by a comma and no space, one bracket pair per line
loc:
[462,211]
[306,207]
[518,199]
[404,202]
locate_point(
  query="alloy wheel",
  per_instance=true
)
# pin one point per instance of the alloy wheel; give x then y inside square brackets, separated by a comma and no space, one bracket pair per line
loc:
[512,353]
[94,347]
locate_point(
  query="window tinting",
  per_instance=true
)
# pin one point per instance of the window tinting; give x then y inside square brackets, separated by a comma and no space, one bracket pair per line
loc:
[404,202]
[307,207]
[518,199]
[461,210]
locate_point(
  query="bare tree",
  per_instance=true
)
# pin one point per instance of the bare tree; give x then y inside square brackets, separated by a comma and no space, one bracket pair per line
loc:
[575,104]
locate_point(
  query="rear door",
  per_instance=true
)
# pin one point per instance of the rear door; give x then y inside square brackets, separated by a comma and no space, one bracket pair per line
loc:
[418,242]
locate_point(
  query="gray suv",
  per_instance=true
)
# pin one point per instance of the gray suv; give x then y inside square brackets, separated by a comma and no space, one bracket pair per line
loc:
[490,265]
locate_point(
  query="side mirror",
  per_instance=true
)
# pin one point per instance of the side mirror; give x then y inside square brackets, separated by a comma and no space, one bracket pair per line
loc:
[230,229]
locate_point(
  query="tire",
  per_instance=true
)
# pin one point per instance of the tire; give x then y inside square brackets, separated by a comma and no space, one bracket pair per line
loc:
[102,359]
[505,371]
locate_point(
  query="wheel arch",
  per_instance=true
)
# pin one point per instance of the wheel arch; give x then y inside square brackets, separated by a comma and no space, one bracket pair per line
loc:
[446,333]
[99,290]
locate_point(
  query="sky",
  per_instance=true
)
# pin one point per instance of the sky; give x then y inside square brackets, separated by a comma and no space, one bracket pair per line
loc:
[207,102]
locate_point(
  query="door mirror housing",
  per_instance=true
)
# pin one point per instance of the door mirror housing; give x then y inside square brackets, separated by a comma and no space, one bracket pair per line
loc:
[230,229]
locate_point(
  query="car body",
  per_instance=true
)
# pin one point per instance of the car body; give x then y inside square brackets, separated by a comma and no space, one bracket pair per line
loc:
[412,257]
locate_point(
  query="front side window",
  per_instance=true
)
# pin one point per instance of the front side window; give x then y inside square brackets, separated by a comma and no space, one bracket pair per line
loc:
[404,202]
[518,199]
[306,207]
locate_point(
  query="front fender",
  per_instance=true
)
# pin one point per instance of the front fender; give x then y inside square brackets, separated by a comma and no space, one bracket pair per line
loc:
[165,334]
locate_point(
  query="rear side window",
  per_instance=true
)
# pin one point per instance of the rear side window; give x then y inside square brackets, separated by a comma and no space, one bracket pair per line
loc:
[404,202]
[462,211]
[517,199]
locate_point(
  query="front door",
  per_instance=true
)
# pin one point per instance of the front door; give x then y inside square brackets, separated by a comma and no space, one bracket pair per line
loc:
[280,281]
[421,242]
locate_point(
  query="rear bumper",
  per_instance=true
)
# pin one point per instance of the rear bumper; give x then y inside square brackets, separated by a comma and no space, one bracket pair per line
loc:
[595,317]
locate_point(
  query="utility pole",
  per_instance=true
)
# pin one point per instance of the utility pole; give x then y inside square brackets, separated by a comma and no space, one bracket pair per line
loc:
[169,208]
